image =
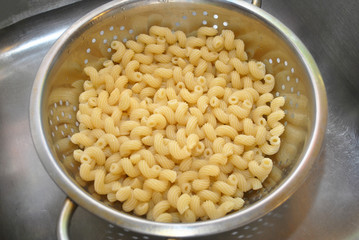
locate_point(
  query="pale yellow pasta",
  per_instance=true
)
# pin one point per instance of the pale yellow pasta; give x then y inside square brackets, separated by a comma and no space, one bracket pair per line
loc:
[215,91]
[265,87]
[228,149]
[123,193]
[128,167]
[207,55]
[177,51]
[249,127]
[164,32]
[277,130]
[130,71]
[241,111]
[207,31]
[121,82]
[218,145]
[224,187]
[127,126]
[163,73]
[261,135]
[201,68]
[209,131]
[157,121]
[208,170]
[192,141]
[110,127]
[213,196]
[152,81]
[228,36]
[120,50]
[221,115]
[97,154]
[254,183]
[155,48]
[245,140]
[171,92]
[141,208]
[144,68]
[277,103]
[130,204]
[181,137]
[127,57]
[195,56]
[163,58]
[138,113]
[177,152]
[235,123]
[124,101]
[169,175]
[102,102]
[214,102]
[262,170]
[173,194]
[142,195]
[222,67]
[241,67]
[148,140]
[185,164]
[181,113]
[191,125]
[256,69]
[272,147]
[195,42]
[266,98]
[143,58]
[191,97]
[218,158]
[129,146]
[187,68]
[82,139]
[201,184]
[274,118]
[258,113]
[202,103]
[159,144]
[225,130]
[178,128]
[183,203]
[156,185]
[198,114]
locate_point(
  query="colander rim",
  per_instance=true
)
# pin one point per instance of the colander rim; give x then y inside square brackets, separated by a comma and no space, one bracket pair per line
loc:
[239,218]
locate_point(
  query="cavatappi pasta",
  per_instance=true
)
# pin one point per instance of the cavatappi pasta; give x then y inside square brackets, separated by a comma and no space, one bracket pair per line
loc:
[177,128]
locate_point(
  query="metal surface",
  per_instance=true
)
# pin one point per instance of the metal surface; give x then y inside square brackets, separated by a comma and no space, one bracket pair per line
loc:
[258,3]
[14,11]
[285,55]
[64,220]
[325,207]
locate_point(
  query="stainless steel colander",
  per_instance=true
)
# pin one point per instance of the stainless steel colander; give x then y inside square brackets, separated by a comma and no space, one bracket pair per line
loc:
[54,101]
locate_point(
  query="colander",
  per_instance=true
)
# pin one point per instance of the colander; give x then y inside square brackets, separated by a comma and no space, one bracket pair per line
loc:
[54,101]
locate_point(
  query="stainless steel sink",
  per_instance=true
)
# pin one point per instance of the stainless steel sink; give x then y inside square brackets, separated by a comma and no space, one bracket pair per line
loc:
[325,207]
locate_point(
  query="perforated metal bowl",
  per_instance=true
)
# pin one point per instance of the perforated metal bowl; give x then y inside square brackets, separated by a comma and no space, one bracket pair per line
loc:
[87,42]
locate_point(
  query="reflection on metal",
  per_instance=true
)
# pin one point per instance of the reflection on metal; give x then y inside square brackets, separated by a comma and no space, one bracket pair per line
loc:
[64,220]
[258,3]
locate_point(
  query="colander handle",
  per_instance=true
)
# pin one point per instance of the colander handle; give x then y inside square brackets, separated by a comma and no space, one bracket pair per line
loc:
[64,219]
[258,3]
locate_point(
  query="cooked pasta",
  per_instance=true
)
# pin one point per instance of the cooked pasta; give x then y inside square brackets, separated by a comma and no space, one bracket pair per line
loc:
[177,128]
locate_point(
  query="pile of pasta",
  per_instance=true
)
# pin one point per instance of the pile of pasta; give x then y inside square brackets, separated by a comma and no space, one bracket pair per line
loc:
[177,128]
